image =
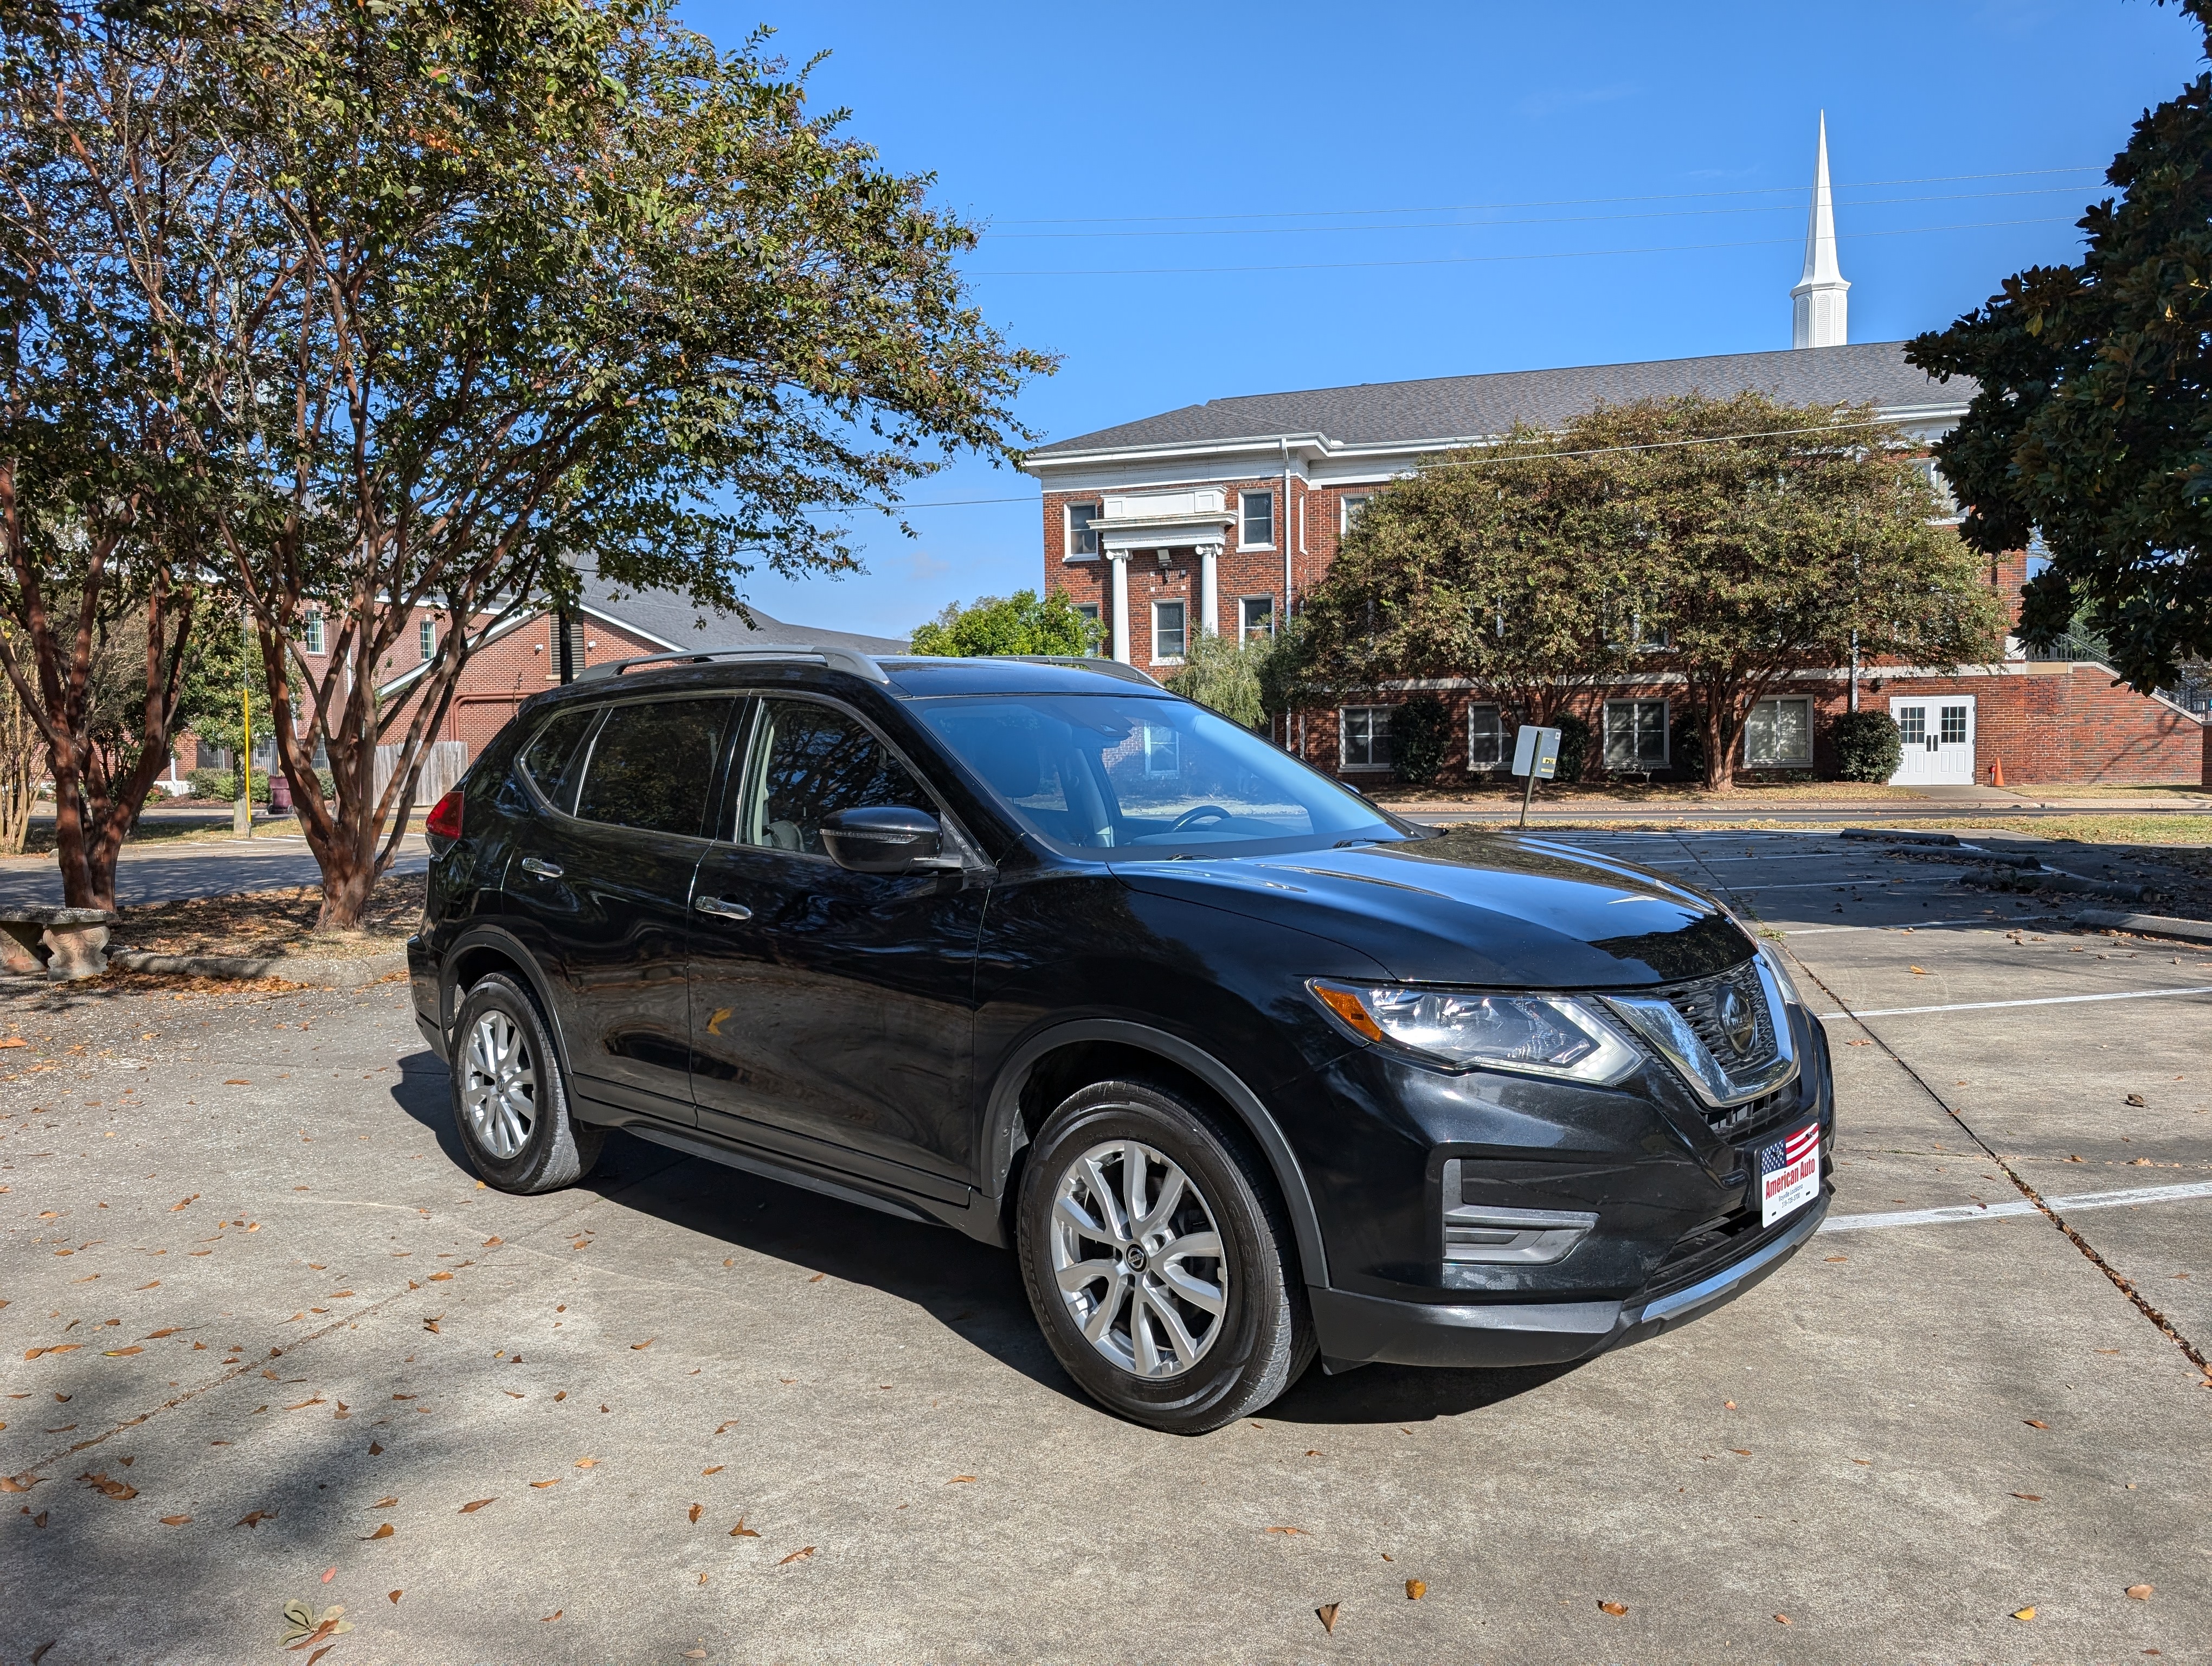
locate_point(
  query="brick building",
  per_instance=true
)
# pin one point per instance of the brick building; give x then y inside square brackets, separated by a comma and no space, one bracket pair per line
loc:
[1217,518]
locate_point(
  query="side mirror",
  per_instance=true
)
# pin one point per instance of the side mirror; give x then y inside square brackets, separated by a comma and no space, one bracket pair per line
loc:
[891,839]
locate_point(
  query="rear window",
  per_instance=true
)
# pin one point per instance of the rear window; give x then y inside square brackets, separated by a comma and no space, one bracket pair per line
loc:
[549,760]
[652,764]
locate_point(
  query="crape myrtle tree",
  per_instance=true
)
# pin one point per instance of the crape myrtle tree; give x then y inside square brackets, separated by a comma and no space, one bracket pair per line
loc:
[1512,565]
[1775,536]
[2091,421]
[562,284]
[114,208]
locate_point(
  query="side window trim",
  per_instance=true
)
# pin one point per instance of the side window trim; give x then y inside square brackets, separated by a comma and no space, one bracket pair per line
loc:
[590,751]
[573,775]
[754,759]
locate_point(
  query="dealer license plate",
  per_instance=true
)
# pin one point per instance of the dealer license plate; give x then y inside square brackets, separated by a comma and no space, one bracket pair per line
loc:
[1789,1174]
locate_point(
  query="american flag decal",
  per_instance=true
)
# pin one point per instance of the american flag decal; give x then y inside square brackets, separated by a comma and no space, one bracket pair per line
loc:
[1789,1172]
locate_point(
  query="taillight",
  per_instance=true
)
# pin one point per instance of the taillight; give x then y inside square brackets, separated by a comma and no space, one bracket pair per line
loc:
[444,816]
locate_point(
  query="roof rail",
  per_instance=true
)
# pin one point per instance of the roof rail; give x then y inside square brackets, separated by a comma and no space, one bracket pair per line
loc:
[1104,667]
[839,659]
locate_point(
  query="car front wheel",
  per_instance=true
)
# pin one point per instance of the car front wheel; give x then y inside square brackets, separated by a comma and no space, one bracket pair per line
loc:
[510,1099]
[1157,1259]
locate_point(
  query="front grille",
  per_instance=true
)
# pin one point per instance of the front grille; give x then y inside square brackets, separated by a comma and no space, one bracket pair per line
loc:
[1701,1003]
[1737,1123]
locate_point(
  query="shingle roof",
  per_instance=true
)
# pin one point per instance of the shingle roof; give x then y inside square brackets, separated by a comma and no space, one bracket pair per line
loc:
[1469,407]
[671,616]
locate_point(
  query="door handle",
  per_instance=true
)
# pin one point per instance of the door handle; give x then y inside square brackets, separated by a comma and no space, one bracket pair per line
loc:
[723,906]
[542,870]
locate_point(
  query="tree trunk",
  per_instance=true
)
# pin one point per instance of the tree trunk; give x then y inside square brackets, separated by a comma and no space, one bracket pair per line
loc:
[1718,730]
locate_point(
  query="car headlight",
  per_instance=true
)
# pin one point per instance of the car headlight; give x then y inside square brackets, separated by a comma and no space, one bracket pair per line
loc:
[1771,957]
[1555,1035]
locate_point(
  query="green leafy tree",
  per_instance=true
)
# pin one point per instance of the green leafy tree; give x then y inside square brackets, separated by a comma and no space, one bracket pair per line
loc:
[222,675]
[1218,674]
[113,216]
[2090,422]
[1508,565]
[1775,536]
[1420,738]
[550,278]
[1019,623]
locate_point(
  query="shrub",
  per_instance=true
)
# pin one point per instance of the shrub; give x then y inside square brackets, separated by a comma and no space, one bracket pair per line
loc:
[1575,736]
[1420,729]
[212,784]
[1018,623]
[1868,746]
[1217,673]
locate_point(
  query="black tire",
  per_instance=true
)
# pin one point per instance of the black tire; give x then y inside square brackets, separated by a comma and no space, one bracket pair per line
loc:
[554,1150]
[1262,1339]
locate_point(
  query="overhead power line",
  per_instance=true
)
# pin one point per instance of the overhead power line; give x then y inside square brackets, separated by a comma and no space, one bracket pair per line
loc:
[1551,202]
[1548,219]
[1486,259]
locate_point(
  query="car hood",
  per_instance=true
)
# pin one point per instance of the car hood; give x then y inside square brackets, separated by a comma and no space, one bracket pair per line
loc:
[1472,906]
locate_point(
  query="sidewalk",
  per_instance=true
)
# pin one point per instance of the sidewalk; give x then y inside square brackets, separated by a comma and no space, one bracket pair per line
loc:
[1844,802]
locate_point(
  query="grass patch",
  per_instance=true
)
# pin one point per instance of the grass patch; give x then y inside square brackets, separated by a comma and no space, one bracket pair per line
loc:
[2116,828]
[2106,790]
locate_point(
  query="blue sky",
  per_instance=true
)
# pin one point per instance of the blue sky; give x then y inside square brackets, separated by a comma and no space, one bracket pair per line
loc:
[1657,159]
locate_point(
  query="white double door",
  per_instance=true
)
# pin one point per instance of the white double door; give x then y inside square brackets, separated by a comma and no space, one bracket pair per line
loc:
[1939,739]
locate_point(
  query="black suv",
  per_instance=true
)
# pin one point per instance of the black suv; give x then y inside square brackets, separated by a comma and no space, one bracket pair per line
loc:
[1244,1068]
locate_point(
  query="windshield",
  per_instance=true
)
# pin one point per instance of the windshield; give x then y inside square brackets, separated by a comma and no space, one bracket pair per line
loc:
[1164,776]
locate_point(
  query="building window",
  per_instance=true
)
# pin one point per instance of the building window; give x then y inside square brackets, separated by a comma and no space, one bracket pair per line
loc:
[1954,726]
[1168,631]
[1486,738]
[1947,501]
[425,638]
[1366,737]
[1163,750]
[1258,524]
[1779,735]
[1635,734]
[1349,513]
[1082,536]
[311,631]
[1256,617]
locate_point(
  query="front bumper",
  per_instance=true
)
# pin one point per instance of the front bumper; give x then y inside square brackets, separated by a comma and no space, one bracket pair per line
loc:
[1357,1331]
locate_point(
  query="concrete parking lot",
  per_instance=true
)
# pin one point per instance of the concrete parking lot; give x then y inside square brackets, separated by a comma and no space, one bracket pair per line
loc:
[678,1413]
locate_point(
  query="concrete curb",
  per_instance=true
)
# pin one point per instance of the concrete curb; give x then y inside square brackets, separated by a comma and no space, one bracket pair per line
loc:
[324,973]
[2147,925]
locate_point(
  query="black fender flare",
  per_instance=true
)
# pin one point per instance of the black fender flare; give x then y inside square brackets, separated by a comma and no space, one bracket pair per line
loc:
[484,934]
[1004,1135]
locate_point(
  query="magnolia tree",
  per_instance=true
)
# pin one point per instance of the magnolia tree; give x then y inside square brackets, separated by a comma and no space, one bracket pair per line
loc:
[560,283]
[2089,422]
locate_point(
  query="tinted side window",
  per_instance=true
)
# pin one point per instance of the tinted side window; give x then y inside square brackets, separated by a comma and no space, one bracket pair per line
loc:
[812,762]
[652,764]
[549,760]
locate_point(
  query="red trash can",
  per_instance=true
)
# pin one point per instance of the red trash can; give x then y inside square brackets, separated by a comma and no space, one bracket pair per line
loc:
[280,794]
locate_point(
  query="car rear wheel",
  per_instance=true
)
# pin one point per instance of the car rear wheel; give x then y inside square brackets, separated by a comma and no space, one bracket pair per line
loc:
[1157,1259]
[510,1098]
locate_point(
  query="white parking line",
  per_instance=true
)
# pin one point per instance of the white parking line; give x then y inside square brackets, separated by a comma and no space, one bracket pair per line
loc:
[2040,1000]
[1922,925]
[2061,1206]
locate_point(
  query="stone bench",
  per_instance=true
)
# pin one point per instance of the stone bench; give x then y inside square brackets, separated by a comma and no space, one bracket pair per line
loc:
[61,944]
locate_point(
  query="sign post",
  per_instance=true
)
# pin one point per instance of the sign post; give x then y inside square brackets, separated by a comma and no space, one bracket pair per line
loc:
[1535,757]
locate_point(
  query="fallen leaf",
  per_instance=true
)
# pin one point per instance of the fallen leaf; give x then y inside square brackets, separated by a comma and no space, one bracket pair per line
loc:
[1917,971]
[1838,1258]
[151,1284]
[65,1347]
[375,1450]
[120,1353]
[329,1574]
[18,1483]
[473,1505]
[2032,1498]
[1415,1590]
[440,1278]
[586,1463]
[1327,1615]
[541,1485]
[40,1653]
[431,1325]
[383,1532]
[2142,1593]
[1741,1452]
[695,1654]
[184,1203]
[741,1531]
[1615,1608]
[1782,1619]
[113,1489]
[393,1595]
[647,1343]
[511,1393]
[2035,1423]
[712,1469]
[384,1504]
[2135,1099]
[542,1619]
[957,1480]
[13,1040]
[174,1521]
[304,1404]
[1728,1405]
[1286,1531]
[732,1424]
[166,1330]
[489,1242]
[255,1518]
[2028,1612]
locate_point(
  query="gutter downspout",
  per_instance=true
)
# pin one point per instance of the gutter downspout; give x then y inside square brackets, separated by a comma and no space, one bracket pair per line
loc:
[1285,533]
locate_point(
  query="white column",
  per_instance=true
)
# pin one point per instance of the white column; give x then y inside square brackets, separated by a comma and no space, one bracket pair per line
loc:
[1209,598]
[1120,561]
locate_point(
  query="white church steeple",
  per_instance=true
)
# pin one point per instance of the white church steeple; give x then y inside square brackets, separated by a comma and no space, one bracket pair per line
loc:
[1818,304]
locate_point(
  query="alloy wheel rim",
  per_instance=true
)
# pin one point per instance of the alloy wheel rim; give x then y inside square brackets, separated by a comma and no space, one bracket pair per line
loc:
[499,1091]
[1137,1254]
